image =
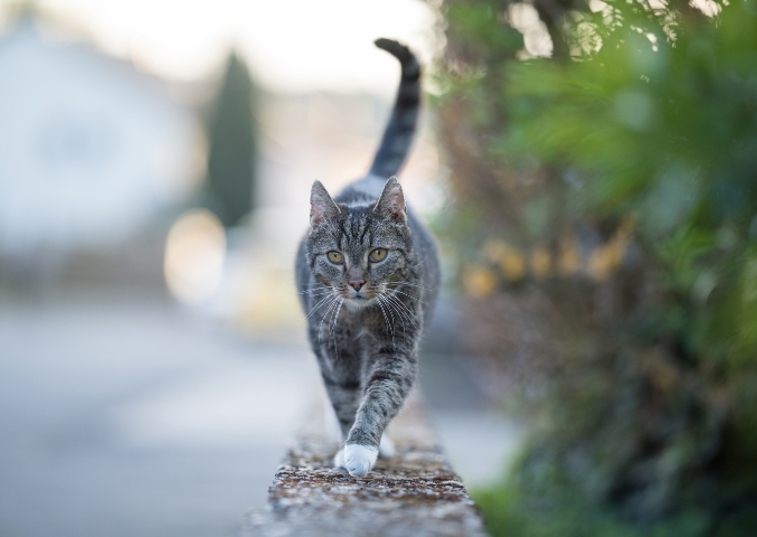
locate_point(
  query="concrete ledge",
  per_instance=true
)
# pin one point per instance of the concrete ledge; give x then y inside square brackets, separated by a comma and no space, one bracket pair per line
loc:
[416,493]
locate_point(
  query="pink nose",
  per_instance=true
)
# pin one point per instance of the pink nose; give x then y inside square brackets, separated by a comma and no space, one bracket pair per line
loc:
[356,284]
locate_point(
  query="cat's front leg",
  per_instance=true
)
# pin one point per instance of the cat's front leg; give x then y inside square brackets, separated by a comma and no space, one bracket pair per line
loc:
[389,383]
[344,395]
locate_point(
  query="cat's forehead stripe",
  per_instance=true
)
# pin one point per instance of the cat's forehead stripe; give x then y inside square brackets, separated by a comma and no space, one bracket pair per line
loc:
[366,232]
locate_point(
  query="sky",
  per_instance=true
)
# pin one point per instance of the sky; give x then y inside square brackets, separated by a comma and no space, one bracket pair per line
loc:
[291,45]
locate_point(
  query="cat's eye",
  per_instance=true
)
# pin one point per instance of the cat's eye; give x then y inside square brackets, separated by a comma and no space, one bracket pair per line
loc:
[379,254]
[335,257]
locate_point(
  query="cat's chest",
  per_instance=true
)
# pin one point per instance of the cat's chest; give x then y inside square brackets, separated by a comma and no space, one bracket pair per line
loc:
[357,323]
[362,325]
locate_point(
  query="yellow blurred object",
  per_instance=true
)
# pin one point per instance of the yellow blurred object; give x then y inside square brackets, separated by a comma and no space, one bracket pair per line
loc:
[495,250]
[510,261]
[569,262]
[269,308]
[513,266]
[607,259]
[479,281]
[194,256]
[541,262]
[602,262]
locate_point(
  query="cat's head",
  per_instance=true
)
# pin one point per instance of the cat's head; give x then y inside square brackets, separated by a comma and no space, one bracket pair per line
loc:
[360,252]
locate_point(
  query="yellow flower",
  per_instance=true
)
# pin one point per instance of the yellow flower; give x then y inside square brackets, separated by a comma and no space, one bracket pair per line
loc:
[479,281]
[513,266]
[607,259]
[510,261]
[602,262]
[541,262]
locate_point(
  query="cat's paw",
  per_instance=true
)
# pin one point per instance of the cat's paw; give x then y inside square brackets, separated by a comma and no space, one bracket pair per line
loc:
[358,459]
[386,447]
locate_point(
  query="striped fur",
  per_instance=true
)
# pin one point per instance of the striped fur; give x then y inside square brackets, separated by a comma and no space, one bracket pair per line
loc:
[366,316]
[398,135]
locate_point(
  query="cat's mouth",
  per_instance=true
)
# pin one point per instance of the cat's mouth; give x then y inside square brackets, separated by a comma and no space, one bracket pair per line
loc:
[358,298]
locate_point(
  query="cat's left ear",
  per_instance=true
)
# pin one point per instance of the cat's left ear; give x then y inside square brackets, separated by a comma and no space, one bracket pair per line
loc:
[322,206]
[391,203]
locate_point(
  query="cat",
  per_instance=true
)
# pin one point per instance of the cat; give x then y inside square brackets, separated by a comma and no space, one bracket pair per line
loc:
[367,273]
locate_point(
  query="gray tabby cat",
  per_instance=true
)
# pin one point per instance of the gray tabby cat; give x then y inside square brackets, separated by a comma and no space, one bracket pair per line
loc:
[367,273]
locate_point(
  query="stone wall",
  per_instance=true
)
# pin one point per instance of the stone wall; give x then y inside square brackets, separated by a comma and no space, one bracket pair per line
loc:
[415,493]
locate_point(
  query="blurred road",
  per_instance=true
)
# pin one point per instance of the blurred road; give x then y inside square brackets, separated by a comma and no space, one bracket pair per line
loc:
[135,418]
[132,419]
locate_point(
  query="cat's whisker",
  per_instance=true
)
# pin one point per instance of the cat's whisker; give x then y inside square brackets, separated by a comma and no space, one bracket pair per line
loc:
[408,294]
[331,307]
[382,299]
[386,320]
[400,303]
[397,290]
[392,308]
[317,306]
[315,291]
[414,297]
[410,316]
[334,319]
[380,303]
[319,293]
[386,296]
[410,284]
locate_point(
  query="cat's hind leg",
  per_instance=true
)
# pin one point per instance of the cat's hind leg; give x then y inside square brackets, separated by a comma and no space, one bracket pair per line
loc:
[386,447]
[331,424]
[345,398]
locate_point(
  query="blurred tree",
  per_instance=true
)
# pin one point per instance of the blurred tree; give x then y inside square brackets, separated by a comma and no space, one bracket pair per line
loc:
[232,157]
[607,222]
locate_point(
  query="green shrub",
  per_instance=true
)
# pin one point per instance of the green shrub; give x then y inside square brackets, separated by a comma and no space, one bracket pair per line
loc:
[612,195]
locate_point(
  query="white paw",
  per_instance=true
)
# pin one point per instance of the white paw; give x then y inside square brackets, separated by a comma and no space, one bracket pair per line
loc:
[386,447]
[358,460]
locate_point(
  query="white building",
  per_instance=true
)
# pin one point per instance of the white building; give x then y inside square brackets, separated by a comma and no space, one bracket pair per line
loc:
[90,148]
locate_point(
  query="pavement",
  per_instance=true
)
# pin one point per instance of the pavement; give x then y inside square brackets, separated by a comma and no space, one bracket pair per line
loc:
[133,417]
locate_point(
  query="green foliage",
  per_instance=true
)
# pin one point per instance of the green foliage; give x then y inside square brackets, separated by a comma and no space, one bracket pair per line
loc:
[668,133]
[648,407]
[232,157]
[510,512]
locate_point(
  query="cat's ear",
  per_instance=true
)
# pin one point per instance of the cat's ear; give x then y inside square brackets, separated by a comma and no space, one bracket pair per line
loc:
[391,203]
[322,207]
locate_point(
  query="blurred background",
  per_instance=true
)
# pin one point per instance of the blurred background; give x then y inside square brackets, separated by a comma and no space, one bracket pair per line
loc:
[156,160]
[588,168]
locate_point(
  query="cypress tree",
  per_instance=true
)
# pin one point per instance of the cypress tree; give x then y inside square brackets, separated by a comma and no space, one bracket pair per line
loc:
[232,154]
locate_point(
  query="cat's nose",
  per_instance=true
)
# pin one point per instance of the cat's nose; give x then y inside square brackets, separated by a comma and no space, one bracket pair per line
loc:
[356,284]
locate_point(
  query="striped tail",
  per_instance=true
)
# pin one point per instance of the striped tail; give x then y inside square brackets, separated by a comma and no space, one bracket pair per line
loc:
[398,135]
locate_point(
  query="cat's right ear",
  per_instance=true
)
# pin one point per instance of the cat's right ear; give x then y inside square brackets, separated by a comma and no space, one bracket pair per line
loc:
[322,206]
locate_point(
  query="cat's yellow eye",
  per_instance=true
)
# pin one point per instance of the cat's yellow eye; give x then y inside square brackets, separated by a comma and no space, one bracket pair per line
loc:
[335,257]
[379,254]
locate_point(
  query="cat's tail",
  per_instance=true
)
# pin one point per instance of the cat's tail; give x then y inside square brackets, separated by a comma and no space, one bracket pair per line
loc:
[398,135]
